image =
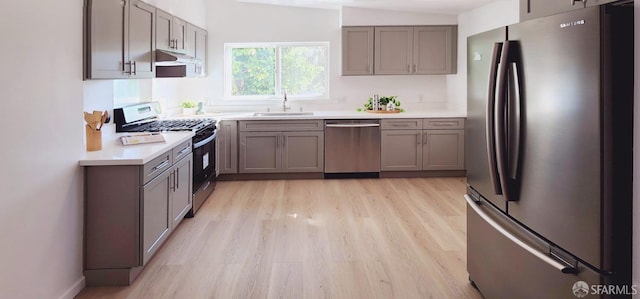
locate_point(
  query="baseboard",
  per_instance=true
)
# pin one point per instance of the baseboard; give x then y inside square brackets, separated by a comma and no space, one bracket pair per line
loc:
[74,290]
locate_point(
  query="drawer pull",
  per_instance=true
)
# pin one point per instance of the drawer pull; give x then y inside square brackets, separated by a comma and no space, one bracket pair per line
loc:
[160,166]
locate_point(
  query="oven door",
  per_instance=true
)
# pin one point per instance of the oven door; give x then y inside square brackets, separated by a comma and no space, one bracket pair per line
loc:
[204,157]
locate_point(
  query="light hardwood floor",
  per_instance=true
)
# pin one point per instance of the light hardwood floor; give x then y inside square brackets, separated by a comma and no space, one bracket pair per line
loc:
[349,238]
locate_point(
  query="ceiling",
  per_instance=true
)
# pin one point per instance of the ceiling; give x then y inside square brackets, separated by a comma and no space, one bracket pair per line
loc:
[453,7]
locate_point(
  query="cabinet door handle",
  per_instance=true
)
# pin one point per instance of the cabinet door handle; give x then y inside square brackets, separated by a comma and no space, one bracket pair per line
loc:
[134,67]
[409,68]
[415,68]
[424,139]
[176,178]
[419,138]
[584,2]
[124,69]
[172,182]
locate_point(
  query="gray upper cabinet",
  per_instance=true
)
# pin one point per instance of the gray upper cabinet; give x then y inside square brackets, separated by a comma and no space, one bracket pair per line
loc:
[531,9]
[357,51]
[434,50]
[196,46]
[171,32]
[120,39]
[401,50]
[393,50]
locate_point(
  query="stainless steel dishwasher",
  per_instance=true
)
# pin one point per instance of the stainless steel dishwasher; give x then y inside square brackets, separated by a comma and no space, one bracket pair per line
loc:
[352,146]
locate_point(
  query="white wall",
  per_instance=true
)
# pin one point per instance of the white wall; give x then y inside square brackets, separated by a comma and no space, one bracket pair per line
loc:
[232,22]
[42,140]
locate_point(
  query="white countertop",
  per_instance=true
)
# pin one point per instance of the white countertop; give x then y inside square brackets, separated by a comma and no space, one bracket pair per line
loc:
[336,115]
[114,153]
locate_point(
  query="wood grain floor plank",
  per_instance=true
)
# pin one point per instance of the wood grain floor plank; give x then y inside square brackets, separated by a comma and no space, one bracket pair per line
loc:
[342,238]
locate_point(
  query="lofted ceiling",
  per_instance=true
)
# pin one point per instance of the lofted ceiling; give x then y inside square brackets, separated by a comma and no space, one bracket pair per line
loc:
[453,7]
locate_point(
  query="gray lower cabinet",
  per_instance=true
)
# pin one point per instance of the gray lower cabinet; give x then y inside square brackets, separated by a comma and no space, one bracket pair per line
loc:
[227,147]
[119,39]
[443,150]
[130,211]
[417,144]
[296,146]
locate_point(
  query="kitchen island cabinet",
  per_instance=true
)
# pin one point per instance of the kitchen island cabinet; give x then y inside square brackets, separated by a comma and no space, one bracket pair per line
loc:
[120,39]
[422,144]
[130,211]
[281,146]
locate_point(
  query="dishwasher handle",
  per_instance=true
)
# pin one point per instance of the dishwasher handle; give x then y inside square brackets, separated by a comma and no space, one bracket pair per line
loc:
[351,125]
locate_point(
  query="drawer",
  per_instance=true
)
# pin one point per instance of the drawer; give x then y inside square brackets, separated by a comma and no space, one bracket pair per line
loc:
[401,124]
[157,166]
[281,125]
[443,123]
[182,150]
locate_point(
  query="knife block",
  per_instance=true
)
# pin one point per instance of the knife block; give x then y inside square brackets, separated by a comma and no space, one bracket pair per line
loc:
[94,139]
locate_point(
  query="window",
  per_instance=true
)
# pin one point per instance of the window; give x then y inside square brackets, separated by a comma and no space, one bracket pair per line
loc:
[267,71]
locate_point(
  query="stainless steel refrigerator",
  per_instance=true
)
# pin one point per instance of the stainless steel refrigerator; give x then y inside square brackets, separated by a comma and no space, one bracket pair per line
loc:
[549,155]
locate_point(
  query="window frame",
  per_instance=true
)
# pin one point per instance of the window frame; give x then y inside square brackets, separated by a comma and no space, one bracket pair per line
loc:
[228,76]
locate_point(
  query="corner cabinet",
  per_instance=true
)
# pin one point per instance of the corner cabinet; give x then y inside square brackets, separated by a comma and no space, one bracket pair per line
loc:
[422,144]
[418,50]
[119,39]
[532,9]
[357,51]
[281,146]
[130,211]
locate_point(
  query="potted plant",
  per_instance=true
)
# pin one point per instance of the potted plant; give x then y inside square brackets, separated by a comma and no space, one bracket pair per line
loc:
[188,107]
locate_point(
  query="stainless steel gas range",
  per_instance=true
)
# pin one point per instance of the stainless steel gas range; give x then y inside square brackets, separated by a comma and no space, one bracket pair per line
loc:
[144,118]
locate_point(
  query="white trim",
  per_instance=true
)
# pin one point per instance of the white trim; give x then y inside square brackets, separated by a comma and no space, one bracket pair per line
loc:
[74,290]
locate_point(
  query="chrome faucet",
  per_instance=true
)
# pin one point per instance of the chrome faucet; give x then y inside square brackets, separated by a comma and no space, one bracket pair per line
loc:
[284,101]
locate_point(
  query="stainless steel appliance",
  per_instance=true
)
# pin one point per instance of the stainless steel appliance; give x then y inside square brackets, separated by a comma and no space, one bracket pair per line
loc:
[144,118]
[352,146]
[549,155]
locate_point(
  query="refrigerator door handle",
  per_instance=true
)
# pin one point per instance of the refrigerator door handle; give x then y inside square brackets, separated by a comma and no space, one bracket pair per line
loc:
[545,258]
[515,120]
[491,130]
[502,119]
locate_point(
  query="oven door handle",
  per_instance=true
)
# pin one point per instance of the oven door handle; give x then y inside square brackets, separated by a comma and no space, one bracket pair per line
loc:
[203,142]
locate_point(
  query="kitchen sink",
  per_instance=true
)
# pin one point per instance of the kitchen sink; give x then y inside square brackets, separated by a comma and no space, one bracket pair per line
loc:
[281,114]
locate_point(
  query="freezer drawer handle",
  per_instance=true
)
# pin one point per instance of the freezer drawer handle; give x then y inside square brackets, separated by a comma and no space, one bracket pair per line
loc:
[545,258]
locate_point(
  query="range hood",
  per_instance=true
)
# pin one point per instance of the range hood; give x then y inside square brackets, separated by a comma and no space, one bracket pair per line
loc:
[168,58]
